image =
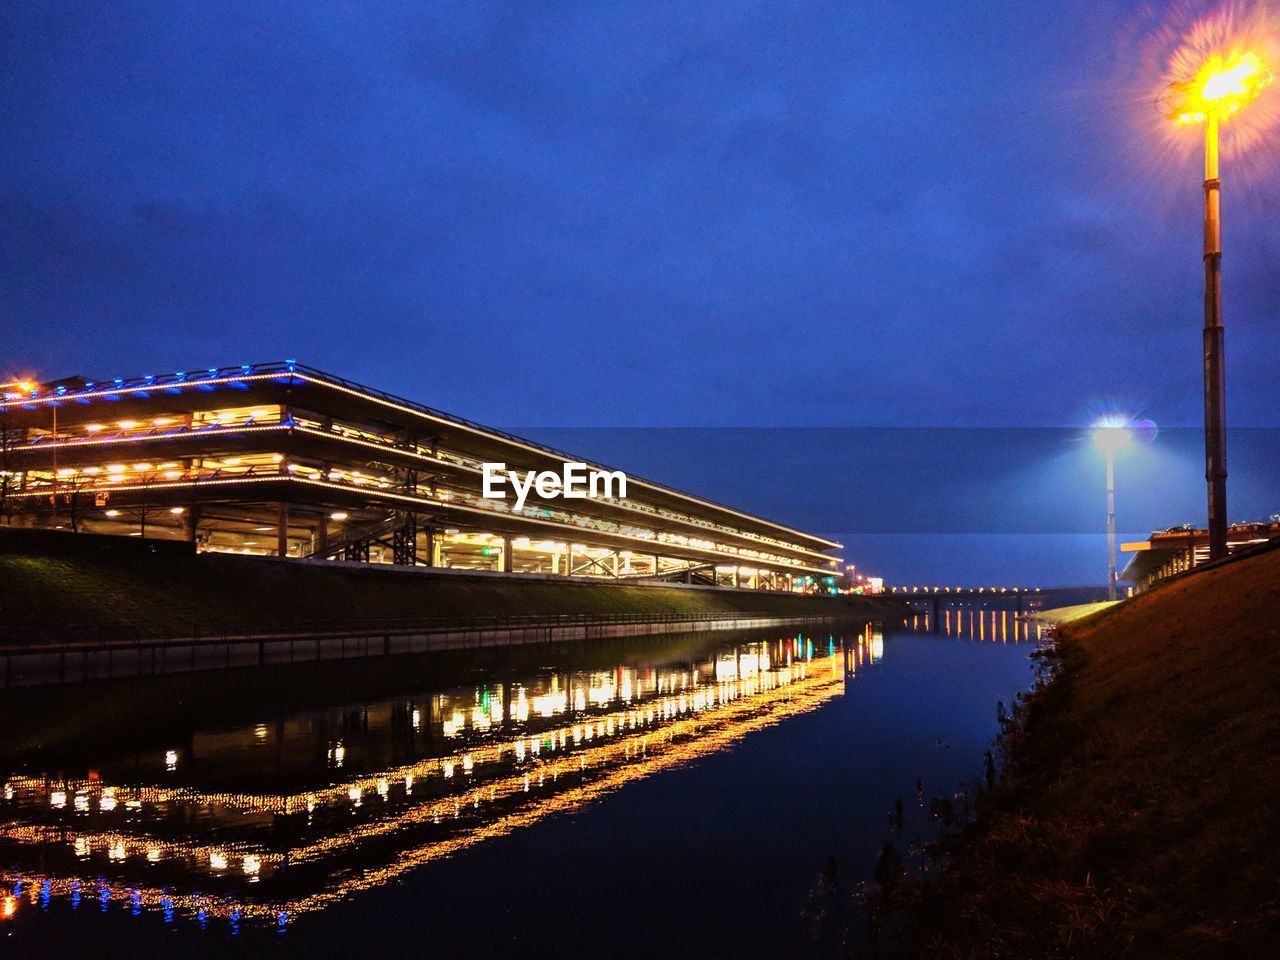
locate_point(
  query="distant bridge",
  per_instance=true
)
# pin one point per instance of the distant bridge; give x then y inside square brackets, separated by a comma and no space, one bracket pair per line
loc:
[975,590]
[935,599]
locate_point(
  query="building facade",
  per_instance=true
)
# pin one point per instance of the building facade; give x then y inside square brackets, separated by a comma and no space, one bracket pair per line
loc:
[285,460]
[1167,553]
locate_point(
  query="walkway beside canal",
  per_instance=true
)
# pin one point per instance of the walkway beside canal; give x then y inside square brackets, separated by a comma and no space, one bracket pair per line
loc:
[34,665]
[1139,811]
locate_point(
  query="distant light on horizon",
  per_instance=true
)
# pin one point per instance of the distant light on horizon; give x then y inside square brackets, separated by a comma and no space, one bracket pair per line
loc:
[1113,432]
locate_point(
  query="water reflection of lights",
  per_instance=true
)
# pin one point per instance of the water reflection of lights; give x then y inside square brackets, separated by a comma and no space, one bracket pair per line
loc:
[337,753]
[666,704]
[751,692]
[677,746]
[487,790]
[995,626]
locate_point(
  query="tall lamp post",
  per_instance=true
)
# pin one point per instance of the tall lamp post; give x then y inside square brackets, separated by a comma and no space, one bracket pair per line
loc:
[1110,435]
[1219,90]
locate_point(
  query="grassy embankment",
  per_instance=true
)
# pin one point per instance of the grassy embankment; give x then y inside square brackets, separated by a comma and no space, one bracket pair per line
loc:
[1138,814]
[72,592]
[1057,615]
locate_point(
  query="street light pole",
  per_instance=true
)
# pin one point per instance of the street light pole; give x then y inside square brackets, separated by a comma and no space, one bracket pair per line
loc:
[1215,413]
[1223,86]
[1110,434]
[1111,524]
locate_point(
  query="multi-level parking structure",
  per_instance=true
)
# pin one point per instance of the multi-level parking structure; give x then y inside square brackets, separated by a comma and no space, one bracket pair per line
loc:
[283,459]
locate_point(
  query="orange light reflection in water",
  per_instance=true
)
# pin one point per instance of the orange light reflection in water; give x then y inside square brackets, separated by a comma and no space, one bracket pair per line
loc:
[501,796]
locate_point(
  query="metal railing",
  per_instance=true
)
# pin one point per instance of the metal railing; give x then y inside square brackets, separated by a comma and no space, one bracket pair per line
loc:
[206,648]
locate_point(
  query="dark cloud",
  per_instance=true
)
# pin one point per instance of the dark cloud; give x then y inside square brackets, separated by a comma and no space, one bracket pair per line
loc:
[648,213]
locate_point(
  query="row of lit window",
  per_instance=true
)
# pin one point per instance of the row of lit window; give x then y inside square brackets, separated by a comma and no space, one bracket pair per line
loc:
[206,467]
[474,464]
[200,419]
[246,415]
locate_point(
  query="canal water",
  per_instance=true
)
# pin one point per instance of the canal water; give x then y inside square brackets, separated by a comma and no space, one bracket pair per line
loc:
[623,801]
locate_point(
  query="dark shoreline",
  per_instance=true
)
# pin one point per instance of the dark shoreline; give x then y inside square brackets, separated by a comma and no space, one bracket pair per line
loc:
[1136,810]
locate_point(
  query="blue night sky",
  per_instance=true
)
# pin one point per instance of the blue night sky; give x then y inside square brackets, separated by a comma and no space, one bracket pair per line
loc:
[713,214]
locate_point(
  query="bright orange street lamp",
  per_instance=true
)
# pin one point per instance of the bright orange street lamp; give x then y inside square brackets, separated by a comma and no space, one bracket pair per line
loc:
[1222,87]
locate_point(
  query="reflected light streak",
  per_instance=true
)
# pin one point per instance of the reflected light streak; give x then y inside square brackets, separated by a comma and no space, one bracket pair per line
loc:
[700,727]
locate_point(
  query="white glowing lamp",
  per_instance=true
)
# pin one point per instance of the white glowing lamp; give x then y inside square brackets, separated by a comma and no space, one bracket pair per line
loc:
[1112,434]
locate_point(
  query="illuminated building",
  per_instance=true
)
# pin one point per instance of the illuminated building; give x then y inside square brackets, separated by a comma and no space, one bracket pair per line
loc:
[1167,553]
[279,459]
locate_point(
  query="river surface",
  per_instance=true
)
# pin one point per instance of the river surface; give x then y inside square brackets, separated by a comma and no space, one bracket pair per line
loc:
[620,802]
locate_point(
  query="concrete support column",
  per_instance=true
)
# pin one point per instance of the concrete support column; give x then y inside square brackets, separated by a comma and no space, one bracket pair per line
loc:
[506,553]
[736,580]
[191,520]
[322,533]
[430,545]
[282,531]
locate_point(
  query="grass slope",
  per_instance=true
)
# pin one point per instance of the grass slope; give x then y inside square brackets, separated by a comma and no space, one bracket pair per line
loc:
[1139,812]
[49,597]
[1076,611]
